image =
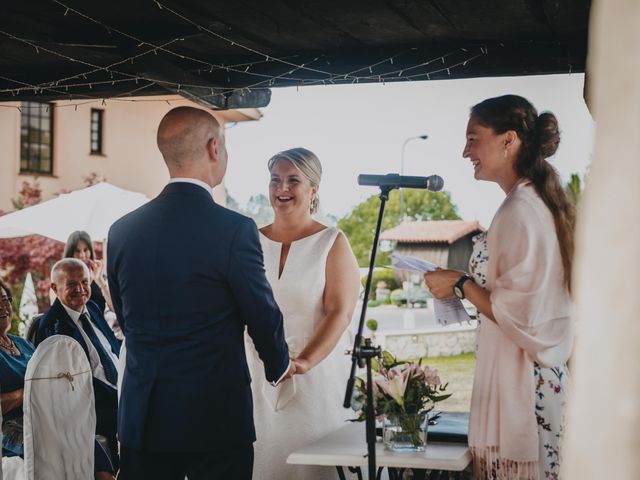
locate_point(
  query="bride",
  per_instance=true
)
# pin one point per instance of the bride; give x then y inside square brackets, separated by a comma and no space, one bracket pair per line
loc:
[315,280]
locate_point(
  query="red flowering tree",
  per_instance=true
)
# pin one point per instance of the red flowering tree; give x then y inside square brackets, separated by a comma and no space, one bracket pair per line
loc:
[33,253]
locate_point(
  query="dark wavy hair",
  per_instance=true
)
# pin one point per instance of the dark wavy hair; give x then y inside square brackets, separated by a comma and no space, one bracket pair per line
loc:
[72,243]
[4,286]
[540,137]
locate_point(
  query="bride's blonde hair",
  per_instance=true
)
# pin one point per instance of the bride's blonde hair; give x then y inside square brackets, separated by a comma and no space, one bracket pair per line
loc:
[307,163]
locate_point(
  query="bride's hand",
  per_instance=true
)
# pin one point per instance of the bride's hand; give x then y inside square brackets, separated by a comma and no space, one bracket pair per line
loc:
[289,374]
[302,365]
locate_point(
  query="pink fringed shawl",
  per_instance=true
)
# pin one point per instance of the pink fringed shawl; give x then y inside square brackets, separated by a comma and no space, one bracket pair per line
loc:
[532,310]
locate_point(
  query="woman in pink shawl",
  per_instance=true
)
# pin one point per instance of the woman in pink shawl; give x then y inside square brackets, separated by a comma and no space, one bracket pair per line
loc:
[520,286]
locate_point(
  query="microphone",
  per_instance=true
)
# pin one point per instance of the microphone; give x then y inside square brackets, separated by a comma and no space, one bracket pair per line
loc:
[433,183]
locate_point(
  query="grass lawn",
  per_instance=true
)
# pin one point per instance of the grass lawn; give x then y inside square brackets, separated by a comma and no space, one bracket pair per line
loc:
[458,371]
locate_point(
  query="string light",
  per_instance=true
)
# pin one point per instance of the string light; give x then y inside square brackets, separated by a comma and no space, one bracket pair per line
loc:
[264,80]
[47,85]
[380,78]
[239,45]
[154,47]
[26,86]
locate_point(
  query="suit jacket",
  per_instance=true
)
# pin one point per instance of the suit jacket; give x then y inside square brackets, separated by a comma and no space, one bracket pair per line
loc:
[56,321]
[186,276]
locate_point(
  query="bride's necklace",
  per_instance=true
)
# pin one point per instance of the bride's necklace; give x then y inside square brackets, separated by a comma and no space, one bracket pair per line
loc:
[9,346]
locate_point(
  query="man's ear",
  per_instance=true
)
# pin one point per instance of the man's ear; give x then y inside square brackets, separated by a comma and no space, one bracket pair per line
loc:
[54,287]
[212,148]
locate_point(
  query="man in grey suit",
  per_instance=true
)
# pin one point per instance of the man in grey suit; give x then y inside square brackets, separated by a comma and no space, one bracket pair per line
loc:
[186,276]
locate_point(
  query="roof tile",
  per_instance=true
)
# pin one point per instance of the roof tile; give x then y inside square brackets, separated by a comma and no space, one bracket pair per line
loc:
[436,231]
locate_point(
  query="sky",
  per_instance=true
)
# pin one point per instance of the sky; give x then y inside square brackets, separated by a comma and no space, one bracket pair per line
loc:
[356,129]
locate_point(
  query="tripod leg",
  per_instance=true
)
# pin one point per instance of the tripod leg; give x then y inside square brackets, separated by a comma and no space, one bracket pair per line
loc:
[357,471]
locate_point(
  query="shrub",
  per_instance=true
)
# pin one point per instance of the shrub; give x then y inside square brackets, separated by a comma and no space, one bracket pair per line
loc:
[372,324]
[397,297]
[385,275]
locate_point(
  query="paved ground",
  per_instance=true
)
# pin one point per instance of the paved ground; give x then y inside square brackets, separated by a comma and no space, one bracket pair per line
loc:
[392,318]
[458,370]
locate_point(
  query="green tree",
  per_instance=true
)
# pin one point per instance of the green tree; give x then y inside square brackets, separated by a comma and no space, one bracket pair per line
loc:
[359,225]
[232,203]
[259,208]
[574,188]
[32,253]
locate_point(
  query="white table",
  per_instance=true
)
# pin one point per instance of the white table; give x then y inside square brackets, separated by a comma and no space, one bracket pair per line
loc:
[347,447]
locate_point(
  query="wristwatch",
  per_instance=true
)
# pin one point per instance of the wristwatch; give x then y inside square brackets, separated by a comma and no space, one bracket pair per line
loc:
[457,288]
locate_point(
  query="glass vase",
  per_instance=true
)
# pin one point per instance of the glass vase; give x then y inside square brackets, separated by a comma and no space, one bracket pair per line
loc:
[405,433]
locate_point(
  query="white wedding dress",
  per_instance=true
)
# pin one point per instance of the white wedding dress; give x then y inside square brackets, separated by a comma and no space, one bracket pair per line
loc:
[309,406]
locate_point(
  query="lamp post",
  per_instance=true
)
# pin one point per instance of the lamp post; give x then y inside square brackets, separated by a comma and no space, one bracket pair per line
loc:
[404,145]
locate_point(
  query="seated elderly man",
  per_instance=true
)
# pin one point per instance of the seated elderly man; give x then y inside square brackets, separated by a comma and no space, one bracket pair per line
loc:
[72,314]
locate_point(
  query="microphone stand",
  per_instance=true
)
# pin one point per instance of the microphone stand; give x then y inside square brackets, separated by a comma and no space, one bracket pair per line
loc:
[362,354]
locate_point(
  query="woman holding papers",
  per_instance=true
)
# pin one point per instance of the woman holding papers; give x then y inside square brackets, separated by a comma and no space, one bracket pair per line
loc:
[314,277]
[520,286]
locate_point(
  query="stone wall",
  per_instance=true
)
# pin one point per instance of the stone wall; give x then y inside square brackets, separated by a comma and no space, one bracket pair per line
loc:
[445,342]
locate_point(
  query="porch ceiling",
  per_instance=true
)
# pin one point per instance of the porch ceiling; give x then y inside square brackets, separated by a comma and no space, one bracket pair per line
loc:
[229,53]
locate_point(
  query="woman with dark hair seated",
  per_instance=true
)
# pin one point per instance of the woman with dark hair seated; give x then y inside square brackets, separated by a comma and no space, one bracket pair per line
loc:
[15,353]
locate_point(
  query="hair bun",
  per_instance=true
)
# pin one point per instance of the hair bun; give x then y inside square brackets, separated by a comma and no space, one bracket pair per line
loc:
[548,134]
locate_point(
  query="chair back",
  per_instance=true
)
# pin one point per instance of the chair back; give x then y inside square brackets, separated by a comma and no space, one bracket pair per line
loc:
[59,412]
[13,468]
[31,329]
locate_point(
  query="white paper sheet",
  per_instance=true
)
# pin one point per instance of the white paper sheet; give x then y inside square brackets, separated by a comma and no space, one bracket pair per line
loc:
[448,311]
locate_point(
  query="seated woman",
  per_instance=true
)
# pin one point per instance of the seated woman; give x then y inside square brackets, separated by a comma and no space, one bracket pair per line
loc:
[15,353]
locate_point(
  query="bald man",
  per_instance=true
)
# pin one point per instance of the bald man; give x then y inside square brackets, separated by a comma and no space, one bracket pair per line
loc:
[186,276]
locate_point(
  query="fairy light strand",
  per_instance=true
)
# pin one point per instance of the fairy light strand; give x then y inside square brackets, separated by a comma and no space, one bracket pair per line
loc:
[245,68]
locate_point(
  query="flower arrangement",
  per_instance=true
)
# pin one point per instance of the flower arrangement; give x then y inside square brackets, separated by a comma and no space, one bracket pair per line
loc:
[404,393]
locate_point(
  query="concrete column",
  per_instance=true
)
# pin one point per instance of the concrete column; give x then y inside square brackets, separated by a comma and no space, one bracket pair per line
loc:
[603,433]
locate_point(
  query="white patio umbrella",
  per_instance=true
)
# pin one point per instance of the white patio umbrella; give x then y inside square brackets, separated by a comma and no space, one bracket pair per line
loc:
[28,300]
[93,209]
[28,304]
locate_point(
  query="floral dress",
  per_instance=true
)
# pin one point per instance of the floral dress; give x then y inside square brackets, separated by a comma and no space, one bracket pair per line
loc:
[551,386]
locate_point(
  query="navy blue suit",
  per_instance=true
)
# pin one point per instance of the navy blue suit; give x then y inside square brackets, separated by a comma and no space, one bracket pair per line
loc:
[186,276]
[56,321]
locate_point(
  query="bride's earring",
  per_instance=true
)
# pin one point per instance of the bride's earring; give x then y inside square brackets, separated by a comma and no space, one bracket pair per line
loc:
[313,205]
